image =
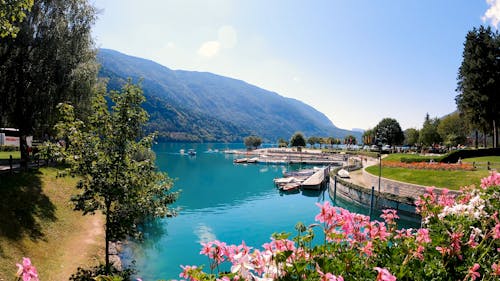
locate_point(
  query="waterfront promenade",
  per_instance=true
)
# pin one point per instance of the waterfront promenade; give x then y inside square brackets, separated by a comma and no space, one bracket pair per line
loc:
[401,189]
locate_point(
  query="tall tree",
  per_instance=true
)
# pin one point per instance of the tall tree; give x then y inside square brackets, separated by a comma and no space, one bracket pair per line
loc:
[478,87]
[298,140]
[428,134]
[368,136]
[12,12]
[453,129]
[117,166]
[388,131]
[350,139]
[411,136]
[51,60]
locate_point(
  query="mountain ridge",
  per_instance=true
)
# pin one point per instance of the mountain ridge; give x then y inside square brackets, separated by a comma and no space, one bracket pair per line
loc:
[202,106]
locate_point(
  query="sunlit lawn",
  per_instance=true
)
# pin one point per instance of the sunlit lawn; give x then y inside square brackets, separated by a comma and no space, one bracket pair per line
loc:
[437,178]
[6,154]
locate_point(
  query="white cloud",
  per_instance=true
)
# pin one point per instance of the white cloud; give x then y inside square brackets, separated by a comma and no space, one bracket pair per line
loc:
[493,13]
[228,37]
[205,233]
[209,49]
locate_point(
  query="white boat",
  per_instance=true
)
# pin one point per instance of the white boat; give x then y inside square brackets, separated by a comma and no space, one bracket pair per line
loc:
[181,151]
[191,152]
[343,173]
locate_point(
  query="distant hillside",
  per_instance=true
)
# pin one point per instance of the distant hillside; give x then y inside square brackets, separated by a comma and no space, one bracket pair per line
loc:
[200,106]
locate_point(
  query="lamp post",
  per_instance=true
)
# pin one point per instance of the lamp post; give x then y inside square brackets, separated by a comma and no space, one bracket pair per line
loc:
[379,145]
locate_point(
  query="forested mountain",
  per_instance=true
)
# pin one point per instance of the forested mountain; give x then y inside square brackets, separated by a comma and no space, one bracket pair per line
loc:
[200,106]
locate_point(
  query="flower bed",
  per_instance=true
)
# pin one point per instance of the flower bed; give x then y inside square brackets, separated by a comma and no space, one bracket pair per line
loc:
[429,166]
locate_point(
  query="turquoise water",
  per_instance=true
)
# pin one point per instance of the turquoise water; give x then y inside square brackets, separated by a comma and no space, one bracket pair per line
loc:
[219,200]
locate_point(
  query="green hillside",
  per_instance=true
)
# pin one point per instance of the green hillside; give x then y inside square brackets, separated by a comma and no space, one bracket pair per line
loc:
[200,106]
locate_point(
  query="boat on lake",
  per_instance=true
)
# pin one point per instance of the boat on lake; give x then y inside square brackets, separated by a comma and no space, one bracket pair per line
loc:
[191,152]
[182,151]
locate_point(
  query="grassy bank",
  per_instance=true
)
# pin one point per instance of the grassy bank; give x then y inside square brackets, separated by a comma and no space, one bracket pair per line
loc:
[445,179]
[37,221]
[6,154]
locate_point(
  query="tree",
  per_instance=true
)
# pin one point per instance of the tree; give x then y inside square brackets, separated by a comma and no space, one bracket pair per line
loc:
[252,142]
[116,165]
[282,143]
[411,137]
[51,60]
[298,140]
[350,139]
[313,140]
[428,134]
[388,131]
[12,12]
[479,80]
[368,136]
[453,129]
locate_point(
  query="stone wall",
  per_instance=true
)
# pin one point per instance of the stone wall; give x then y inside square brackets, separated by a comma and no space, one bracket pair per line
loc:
[362,196]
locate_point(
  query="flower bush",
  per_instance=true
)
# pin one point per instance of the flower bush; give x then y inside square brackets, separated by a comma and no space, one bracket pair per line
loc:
[459,239]
[429,166]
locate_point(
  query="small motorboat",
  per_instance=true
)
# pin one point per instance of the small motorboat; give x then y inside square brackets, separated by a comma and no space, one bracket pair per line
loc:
[240,160]
[290,186]
[191,152]
[181,151]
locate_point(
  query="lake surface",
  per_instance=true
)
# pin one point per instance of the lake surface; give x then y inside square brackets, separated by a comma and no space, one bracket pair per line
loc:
[219,200]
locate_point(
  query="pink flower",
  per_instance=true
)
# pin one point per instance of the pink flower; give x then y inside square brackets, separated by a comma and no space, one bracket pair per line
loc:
[328,276]
[496,269]
[27,271]
[473,272]
[384,275]
[186,272]
[389,215]
[492,180]
[423,236]
[496,231]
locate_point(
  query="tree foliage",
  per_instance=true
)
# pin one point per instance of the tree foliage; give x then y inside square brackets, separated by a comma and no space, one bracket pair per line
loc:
[12,12]
[350,139]
[429,135]
[453,129]
[116,163]
[50,61]
[297,140]
[411,136]
[388,131]
[478,96]
[282,142]
[252,142]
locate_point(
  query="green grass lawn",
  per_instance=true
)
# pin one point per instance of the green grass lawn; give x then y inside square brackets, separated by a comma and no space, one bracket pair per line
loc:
[483,159]
[445,179]
[6,154]
[398,156]
[38,221]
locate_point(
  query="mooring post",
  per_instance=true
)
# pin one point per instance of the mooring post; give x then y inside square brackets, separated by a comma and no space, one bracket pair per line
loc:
[371,201]
[335,188]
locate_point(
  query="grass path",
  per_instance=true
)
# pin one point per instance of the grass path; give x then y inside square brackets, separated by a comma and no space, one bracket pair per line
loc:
[37,221]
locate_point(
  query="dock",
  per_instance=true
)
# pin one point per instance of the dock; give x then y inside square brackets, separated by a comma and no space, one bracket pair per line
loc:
[316,180]
[303,179]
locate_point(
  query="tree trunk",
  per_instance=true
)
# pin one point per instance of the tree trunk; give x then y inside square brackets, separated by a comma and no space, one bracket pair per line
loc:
[23,147]
[484,139]
[477,139]
[495,135]
[108,207]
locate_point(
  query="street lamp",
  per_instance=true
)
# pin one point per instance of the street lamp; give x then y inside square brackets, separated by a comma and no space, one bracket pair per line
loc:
[379,145]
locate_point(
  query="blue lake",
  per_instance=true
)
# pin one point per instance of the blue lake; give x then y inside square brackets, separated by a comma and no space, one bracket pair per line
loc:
[218,200]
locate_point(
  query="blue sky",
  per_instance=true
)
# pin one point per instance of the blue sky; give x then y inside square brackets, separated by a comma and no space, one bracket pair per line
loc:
[355,61]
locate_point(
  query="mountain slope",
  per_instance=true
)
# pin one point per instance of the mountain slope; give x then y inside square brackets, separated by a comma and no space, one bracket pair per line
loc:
[200,106]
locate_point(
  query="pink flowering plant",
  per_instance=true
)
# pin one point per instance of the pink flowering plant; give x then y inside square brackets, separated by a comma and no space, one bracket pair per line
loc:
[459,239]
